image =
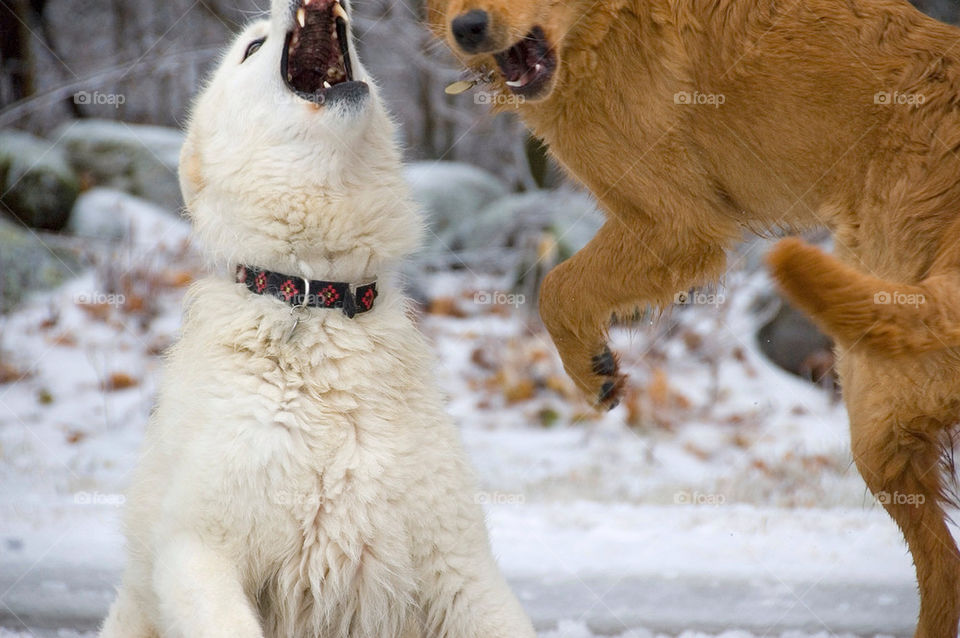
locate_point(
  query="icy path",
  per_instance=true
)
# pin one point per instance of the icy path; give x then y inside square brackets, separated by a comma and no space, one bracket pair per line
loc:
[606,568]
[602,606]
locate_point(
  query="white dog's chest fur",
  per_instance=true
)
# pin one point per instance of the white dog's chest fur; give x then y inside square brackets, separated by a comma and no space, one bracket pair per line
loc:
[311,485]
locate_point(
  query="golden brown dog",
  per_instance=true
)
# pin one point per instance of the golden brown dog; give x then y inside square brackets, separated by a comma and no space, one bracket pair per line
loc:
[692,120]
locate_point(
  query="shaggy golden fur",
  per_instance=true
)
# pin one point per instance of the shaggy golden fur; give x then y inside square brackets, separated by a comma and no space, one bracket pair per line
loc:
[692,120]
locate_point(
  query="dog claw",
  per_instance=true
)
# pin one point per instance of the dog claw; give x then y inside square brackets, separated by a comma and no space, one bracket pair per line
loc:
[606,391]
[605,364]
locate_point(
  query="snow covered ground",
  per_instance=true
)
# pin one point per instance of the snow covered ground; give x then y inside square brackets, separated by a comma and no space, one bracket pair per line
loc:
[719,498]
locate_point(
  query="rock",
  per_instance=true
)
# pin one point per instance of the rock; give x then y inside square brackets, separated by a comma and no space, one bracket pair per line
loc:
[794,343]
[571,218]
[103,213]
[946,10]
[539,229]
[28,266]
[137,159]
[451,192]
[36,183]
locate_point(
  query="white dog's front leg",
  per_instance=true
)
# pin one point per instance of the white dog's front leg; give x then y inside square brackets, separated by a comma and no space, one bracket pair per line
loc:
[466,596]
[200,593]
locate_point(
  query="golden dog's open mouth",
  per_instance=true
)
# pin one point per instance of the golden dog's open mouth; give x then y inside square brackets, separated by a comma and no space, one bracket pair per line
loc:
[316,54]
[529,65]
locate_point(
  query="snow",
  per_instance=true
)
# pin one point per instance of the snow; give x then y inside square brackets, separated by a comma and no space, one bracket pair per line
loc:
[566,629]
[718,468]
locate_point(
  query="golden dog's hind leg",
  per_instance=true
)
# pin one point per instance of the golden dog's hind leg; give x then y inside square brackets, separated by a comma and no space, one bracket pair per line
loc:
[623,268]
[902,464]
[900,373]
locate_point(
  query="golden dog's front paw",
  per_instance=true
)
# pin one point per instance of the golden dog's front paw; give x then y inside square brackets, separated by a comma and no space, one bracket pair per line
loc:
[606,366]
[597,376]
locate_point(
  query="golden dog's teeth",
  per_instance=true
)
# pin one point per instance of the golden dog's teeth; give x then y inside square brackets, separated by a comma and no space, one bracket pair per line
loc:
[302,17]
[537,67]
[338,12]
[514,83]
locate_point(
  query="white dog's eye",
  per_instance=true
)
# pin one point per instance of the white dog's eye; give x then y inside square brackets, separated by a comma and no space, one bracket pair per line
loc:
[252,48]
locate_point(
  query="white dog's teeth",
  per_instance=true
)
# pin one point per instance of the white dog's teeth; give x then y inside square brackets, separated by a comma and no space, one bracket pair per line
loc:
[339,12]
[302,17]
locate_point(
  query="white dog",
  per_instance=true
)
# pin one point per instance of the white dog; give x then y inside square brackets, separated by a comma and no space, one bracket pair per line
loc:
[299,476]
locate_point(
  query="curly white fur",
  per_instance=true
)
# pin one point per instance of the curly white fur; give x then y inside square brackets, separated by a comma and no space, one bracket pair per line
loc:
[312,486]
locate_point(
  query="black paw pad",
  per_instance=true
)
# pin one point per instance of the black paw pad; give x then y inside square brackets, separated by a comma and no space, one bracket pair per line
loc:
[604,364]
[606,391]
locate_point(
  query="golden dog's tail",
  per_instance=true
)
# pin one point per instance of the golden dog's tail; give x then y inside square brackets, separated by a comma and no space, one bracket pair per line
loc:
[859,309]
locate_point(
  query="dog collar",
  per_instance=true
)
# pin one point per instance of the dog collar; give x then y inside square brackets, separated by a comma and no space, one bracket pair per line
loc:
[307,293]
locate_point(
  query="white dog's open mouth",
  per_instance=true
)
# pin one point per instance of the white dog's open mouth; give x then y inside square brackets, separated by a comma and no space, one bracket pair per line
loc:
[316,54]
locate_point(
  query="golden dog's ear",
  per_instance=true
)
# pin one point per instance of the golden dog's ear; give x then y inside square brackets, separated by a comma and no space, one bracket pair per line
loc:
[191,172]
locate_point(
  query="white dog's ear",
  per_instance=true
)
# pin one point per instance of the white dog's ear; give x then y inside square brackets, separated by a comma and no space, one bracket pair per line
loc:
[191,172]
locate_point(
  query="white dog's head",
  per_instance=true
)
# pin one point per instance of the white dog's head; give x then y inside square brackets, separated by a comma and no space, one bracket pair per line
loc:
[290,161]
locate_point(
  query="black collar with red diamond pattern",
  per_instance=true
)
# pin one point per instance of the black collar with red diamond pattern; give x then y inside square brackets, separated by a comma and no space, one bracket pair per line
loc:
[300,292]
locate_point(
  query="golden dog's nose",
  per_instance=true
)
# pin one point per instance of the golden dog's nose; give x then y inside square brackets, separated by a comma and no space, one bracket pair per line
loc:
[470,30]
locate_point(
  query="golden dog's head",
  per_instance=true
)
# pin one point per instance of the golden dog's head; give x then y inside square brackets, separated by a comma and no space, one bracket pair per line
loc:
[524,42]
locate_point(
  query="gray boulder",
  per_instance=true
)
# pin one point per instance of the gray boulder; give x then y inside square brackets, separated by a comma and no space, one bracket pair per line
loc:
[570,218]
[36,183]
[451,192]
[27,265]
[792,341]
[134,158]
[103,213]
